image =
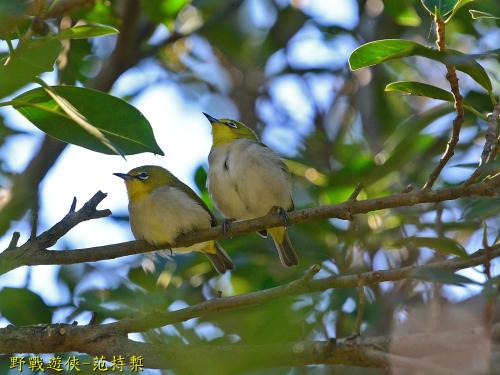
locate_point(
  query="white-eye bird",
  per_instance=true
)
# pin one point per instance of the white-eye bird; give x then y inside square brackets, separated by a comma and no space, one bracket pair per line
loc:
[246,180]
[161,207]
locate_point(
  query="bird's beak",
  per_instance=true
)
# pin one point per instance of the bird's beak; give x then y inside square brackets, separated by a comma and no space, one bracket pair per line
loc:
[125,176]
[212,120]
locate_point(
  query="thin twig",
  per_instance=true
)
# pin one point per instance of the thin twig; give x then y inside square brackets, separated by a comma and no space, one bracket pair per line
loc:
[490,145]
[439,220]
[48,238]
[230,7]
[489,150]
[489,309]
[355,193]
[361,307]
[451,76]
[34,215]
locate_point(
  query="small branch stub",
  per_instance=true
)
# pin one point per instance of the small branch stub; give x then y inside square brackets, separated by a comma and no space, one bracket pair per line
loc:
[355,193]
[14,240]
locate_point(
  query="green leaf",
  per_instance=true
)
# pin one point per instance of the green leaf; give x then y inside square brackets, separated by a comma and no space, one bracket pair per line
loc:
[429,91]
[420,89]
[480,208]
[491,167]
[388,49]
[457,7]
[80,61]
[465,165]
[23,307]
[477,14]
[146,280]
[441,276]
[200,178]
[31,58]
[12,14]
[440,244]
[86,31]
[162,10]
[491,287]
[74,115]
[443,6]
[403,12]
[121,123]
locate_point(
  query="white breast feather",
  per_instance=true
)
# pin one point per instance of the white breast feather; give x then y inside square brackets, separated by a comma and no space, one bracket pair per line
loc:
[166,213]
[252,184]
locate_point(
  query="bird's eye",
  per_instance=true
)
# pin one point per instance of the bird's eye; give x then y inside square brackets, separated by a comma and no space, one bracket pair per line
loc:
[143,176]
[231,124]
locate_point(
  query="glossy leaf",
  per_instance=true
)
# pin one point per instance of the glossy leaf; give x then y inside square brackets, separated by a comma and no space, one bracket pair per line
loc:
[403,12]
[429,91]
[457,7]
[142,278]
[80,63]
[162,10]
[121,123]
[74,115]
[420,89]
[12,13]
[86,31]
[477,14]
[23,307]
[477,209]
[388,49]
[31,58]
[491,287]
[440,244]
[493,166]
[441,276]
[443,6]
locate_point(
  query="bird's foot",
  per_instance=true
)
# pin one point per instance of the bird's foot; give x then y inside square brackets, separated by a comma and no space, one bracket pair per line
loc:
[226,225]
[282,214]
[353,338]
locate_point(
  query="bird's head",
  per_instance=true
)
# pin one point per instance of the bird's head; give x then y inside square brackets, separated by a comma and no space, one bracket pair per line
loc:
[143,180]
[227,130]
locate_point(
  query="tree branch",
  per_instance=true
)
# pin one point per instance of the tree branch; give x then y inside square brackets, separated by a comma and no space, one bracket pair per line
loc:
[50,237]
[89,211]
[21,256]
[490,145]
[229,8]
[293,288]
[379,352]
[451,76]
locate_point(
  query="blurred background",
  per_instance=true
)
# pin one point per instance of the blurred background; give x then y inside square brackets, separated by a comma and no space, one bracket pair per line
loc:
[281,67]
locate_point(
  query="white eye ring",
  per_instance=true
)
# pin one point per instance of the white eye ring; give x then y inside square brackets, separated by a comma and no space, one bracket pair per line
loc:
[231,124]
[143,176]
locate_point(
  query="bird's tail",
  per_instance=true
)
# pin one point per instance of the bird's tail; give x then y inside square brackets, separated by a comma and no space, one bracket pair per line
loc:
[219,258]
[288,256]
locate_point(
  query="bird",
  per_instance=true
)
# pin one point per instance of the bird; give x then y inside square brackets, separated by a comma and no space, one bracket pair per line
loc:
[161,207]
[246,179]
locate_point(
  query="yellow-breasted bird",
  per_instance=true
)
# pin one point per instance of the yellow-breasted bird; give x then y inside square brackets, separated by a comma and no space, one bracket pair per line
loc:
[161,207]
[246,180]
